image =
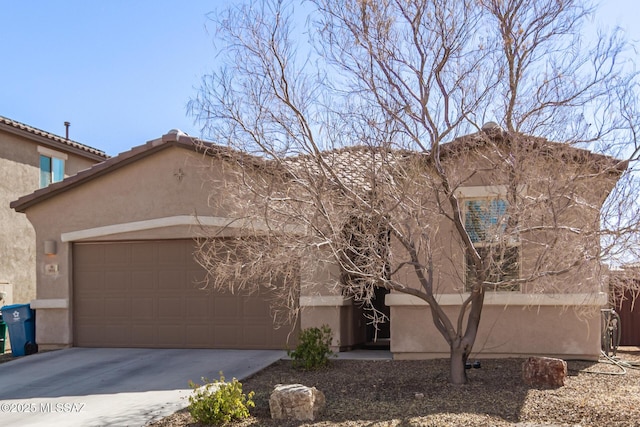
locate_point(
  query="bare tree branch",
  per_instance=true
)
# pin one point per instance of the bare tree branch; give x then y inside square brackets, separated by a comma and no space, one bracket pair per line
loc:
[373,148]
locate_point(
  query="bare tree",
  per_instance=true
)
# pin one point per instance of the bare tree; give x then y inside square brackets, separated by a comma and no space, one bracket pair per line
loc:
[370,133]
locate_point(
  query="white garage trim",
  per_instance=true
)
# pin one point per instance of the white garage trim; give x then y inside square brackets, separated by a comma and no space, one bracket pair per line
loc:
[150,224]
[171,221]
[60,303]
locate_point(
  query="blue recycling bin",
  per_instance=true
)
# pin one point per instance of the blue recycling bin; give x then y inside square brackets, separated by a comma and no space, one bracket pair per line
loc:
[21,323]
[3,333]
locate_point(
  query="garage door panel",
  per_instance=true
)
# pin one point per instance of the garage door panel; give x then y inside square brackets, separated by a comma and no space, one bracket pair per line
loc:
[172,336]
[197,308]
[170,307]
[119,281]
[226,306]
[256,334]
[89,258]
[143,281]
[195,281]
[149,294]
[145,308]
[90,308]
[143,254]
[227,336]
[253,308]
[113,255]
[172,255]
[115,334]
[91,282]
[171,280]
[144,335]
[86,332]
[198,335]
[118,308]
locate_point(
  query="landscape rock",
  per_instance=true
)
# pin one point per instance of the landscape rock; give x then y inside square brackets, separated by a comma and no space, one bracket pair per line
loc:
[296,401]
[544,371]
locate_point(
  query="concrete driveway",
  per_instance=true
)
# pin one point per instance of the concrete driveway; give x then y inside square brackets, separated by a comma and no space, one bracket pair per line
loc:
[113,387]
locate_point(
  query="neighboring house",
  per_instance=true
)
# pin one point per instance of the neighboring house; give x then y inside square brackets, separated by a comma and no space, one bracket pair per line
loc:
[624,292]
[29,159]
[123,272]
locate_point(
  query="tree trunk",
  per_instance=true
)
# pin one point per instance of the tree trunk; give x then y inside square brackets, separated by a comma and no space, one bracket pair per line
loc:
[462,345]
[459,356]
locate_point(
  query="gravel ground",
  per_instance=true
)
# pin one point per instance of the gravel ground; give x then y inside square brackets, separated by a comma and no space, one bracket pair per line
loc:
[5,357]
[416,393]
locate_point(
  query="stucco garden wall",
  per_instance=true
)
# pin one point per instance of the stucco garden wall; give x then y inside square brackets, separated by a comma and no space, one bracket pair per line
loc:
[566,326]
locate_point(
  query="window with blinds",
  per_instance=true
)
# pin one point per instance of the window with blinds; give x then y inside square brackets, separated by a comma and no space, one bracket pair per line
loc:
[486,220]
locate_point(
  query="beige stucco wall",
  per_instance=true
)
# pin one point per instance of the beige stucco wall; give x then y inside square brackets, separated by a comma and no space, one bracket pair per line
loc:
[322,302]
[164,186]
[20,175]
[553,314]
[510,326]
[545,186]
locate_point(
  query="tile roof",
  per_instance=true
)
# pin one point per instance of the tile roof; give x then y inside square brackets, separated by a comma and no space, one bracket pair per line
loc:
[564,151]
[357,166]
[354,167]
[55,139]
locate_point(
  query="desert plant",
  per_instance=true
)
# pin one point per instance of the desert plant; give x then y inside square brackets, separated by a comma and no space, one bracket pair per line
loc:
[219,402]
[314,348]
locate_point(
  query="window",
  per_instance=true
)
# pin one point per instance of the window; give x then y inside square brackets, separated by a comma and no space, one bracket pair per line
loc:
[51,166]
[367,241]
[485,219]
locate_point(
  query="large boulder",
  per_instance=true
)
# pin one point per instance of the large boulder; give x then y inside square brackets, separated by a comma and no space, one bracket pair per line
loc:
[544,372]
[296,401]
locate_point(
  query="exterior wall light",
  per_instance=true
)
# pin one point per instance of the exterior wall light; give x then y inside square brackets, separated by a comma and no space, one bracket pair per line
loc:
[50,247]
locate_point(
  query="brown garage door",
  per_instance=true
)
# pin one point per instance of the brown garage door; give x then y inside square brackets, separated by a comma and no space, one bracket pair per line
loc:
[147,294]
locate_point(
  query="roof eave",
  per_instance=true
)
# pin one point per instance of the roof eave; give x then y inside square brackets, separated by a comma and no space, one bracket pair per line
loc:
[92,154]
[95,171]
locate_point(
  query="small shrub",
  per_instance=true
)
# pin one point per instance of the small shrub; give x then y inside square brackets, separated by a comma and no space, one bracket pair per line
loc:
[219,402]
[314,348]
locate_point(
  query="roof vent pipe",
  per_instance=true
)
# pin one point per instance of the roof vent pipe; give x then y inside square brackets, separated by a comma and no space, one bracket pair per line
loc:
[66,127]
[491,126]
[493,130]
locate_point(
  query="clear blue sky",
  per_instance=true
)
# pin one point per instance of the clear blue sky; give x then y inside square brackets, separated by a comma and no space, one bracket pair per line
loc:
[122,71]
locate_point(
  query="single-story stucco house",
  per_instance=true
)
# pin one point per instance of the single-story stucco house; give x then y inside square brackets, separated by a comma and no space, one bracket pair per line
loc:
[120,271]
